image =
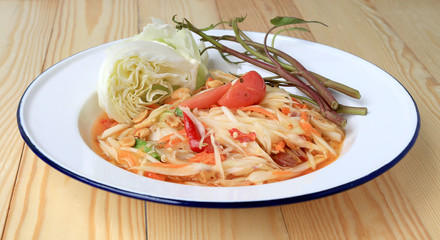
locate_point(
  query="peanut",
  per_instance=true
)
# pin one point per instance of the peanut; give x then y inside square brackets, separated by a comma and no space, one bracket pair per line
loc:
[139,118]
[172,121]
[213,84]
[127,141]
[142,133]
[181,94]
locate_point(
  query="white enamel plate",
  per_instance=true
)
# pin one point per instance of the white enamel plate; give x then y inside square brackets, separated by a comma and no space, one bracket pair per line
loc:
[56,113]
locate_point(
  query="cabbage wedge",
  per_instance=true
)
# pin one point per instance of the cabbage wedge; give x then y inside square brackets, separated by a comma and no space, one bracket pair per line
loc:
[146,68]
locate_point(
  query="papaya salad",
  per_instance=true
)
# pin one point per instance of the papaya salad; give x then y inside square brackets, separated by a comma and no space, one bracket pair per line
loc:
[168,118]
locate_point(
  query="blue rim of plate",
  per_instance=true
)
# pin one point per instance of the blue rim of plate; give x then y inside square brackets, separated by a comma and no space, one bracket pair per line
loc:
[200,204]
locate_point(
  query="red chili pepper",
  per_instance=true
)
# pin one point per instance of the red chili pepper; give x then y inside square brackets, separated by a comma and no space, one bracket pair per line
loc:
[194,136]
[242,137]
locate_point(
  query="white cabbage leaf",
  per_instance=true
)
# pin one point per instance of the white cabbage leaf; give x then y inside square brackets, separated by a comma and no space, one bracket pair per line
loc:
[146,68]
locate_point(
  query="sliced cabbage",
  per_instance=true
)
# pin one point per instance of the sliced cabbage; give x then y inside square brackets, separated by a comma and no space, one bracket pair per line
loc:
[146,68]
[182,41]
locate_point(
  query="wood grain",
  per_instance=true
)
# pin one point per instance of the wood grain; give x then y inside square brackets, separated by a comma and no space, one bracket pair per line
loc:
[258,16]
[392,54]
[48,205]
[44,198]
[22,50]
[81,25]
[416,24]
[357,213]
[421,34]
[197,223]
[198,12]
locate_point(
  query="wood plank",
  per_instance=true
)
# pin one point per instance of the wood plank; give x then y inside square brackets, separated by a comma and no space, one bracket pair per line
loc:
[198,223]
[362,30]
[25,36]
[375,210]
[259,15]
[95,23]
[43,197]
[49,205]
[416,23]
[200,13]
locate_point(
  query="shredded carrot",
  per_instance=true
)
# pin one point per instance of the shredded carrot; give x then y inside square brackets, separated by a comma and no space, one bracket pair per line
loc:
[306,126]
[166,138]
[304,116]
[285,110]
[280,146]
[169,142]
[281,173]
[204,157]
[172,142]
[295,101]
[130,157]
[259,110]
[308,129]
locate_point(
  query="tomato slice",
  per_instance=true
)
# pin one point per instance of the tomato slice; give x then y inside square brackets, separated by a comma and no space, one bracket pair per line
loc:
[207,98]
[248,90]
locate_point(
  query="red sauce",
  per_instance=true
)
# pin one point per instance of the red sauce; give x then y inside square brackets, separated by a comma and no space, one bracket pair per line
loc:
[102,123]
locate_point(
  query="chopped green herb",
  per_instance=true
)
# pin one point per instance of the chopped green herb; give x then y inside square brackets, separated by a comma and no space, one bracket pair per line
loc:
[139,143]
[178,112]
[146,147]
[155,155]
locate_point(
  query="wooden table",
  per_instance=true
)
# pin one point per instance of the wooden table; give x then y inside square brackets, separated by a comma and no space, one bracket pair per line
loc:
[38,202]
